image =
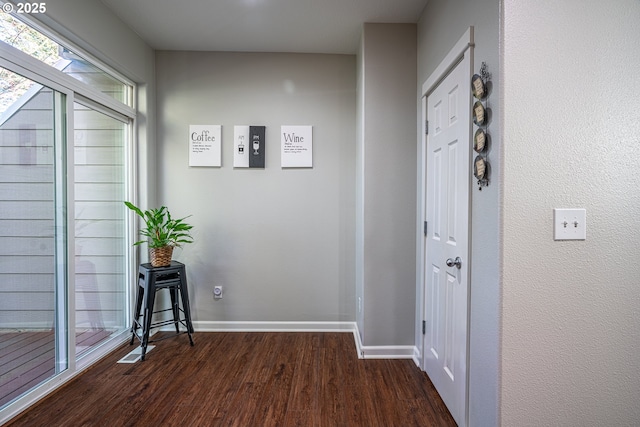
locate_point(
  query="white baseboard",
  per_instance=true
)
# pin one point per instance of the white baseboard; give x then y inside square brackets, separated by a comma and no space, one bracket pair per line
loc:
[417,357]
[383,351]
[208,326]
[387,352]
[364,352]
[356,337]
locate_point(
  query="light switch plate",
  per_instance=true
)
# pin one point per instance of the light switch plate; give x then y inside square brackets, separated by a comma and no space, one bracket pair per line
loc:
[569,224]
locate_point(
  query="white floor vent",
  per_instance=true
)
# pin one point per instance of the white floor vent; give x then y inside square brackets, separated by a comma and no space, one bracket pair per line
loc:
[134,355]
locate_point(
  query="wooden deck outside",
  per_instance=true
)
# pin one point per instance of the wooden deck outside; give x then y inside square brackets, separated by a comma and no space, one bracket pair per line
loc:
[28,358]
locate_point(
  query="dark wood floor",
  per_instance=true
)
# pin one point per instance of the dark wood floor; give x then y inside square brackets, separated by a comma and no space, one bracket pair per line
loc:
[246,379]
[27,358]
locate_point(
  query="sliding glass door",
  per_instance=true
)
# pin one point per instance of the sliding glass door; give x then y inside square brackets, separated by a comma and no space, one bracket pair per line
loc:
[65,170]
[33,235]
[101,297]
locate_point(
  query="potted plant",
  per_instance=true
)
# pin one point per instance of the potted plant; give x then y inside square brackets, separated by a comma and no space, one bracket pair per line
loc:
[163,233]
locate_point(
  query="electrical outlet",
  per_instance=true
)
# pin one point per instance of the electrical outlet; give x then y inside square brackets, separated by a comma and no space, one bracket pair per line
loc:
[217,292]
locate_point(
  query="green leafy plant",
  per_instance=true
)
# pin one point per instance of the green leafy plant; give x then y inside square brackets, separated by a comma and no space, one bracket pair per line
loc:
[160,229]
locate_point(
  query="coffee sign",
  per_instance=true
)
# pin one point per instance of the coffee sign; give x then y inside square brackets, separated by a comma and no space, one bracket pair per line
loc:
[205,145]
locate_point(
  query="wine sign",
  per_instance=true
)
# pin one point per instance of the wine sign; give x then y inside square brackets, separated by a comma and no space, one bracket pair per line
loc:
[296,146]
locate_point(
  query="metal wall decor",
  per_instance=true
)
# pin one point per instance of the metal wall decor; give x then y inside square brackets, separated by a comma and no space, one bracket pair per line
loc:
[480,88]
[479,116]
[480,168]
[479,141]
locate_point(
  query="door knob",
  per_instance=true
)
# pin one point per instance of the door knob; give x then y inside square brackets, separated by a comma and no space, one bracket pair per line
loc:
[454,262]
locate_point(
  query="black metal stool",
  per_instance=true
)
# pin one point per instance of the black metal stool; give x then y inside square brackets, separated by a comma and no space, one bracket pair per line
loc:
[151,280]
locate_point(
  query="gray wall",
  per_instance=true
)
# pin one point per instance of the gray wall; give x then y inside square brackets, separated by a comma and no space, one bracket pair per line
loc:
[387,184]
[280,241]
[571,136]
[442,24]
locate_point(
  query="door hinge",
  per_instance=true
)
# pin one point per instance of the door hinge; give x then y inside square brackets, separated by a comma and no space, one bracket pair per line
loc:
[426,127]
[425,228]
[424,327]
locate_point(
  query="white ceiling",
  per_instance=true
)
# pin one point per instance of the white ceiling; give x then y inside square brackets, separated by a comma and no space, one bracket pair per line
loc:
[309,26]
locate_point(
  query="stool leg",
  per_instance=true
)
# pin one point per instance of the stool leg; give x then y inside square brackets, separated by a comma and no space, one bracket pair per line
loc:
[175,309]
[184,294]
[187,315]
[150,296]
[139,300]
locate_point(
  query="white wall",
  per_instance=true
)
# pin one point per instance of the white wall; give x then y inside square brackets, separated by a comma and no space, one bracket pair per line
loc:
[386,184]
[442,24]
[571,136]
[280,241]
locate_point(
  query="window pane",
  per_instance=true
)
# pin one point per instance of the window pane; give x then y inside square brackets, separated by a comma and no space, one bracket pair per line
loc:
[39,46]
[32,348]
[100,232]
[12,88]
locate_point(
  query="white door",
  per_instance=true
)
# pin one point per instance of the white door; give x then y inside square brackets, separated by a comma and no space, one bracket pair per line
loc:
[448,175]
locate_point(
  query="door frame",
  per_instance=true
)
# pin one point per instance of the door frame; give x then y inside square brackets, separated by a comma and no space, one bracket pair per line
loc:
[464,46]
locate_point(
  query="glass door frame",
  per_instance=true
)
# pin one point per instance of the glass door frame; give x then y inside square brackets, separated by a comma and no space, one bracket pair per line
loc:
[64,288]
[73,91]
[86,359]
